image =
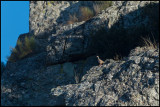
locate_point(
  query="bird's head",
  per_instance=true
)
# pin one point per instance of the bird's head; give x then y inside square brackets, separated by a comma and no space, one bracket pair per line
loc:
[97,56]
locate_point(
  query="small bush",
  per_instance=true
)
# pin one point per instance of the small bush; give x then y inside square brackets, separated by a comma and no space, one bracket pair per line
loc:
[22,49]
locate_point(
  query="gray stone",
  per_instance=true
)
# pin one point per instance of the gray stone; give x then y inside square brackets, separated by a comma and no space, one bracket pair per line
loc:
[128,86]
[64,72]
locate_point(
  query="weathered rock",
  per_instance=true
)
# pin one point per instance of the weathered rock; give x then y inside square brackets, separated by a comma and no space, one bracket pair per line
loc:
[29,81]
[117,83]
[69,44]
[63,60]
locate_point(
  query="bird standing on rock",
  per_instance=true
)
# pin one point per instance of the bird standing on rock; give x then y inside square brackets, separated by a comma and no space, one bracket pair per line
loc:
[100,61]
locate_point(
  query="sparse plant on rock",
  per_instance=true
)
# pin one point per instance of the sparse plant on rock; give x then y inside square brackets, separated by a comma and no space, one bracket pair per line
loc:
[101,5]
[117,40]
[72,19]
[22,49]
[86,13]
[150,43]
[96,8]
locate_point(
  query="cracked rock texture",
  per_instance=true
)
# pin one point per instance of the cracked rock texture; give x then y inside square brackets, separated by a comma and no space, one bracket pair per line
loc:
[67,42]
[128,82]
[63,71]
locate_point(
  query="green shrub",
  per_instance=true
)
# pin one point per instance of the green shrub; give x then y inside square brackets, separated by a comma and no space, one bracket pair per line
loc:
[22,49]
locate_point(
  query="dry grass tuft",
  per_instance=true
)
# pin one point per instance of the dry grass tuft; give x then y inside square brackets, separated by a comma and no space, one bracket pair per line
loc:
[86,13]
[72,19]
[101,5]
[149,43]
[22,49]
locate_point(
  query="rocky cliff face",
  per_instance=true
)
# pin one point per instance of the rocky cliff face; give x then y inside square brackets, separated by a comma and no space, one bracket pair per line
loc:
[67,42]
[131,81]
[64,69]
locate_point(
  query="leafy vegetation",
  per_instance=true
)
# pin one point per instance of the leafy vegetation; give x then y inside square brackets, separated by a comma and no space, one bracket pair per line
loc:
[22,49]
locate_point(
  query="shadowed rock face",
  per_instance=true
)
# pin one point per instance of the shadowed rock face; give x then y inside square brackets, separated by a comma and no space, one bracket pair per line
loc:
[69,42]
[131,81]
[134,80]
[63,70]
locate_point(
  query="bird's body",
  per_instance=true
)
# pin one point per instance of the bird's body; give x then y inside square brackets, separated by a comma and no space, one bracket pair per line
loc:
[100,61]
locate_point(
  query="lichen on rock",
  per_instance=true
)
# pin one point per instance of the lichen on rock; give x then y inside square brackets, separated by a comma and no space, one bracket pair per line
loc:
[64,69]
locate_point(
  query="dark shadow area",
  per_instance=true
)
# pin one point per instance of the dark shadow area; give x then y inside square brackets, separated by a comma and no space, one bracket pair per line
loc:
[119,40]
[107,43]
[125,97]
